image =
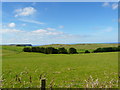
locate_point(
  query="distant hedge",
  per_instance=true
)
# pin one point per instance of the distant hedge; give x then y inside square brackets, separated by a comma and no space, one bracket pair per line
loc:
[62,50]
[72,51]
[86,51]
[107,49]
[50,50]
[27,49]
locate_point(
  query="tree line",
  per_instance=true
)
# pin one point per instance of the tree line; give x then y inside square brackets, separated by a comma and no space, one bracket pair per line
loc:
[107,49]
[50,50]
[62,50]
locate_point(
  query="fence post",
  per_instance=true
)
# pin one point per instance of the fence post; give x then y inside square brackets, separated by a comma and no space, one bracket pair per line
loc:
[43,84]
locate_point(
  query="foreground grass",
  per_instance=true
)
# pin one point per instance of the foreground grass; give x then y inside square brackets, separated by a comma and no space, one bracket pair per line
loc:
[77,70]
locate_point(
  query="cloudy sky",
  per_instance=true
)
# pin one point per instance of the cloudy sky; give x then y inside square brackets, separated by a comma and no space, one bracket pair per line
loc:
[59,22]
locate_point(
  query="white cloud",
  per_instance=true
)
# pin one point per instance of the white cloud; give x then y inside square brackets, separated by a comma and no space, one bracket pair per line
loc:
[40,31]
[106,4]
[40,36]
[10,30]
[31,21]
[23,24]
[114,6]
[61,26]
[104,30]
[25,11]
[47,31]
[51,29]
[54,33]
[11,25]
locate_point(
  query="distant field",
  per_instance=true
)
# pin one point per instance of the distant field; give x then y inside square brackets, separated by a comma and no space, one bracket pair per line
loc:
[79,47]
[60,70]
[82,46]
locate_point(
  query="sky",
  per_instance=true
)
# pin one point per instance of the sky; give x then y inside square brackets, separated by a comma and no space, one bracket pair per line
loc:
[41,23]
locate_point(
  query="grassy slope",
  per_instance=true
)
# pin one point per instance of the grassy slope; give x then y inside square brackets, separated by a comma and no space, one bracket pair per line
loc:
[82,47]
[12,48]
[79,47]
[65,69]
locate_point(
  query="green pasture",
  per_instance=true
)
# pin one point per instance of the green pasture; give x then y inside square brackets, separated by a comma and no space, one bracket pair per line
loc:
[80,47]
[59,70]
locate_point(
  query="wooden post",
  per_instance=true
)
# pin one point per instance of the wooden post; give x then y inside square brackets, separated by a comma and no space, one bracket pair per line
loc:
[43,83]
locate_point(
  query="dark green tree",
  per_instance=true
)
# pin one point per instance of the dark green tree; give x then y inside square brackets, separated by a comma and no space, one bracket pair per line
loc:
[51,50]
[86,51]
[107,49]
[34,49]
[42,50]
[27,49]
[62,51]
[72,51]
[98,50]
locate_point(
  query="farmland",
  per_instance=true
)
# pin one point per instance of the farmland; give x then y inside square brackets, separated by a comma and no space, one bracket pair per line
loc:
[60,70]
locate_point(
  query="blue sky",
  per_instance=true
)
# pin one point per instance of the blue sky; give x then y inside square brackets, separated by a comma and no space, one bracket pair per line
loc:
[59,22]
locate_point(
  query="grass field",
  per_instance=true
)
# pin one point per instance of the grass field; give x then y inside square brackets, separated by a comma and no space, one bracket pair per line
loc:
[60,70]
[79,47]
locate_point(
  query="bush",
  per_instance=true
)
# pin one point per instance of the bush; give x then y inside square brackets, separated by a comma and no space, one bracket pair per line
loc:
[51,50]
[86,51]
[119,48]
[27,49]
[98,50]
[72,51]
[48,50]
[42,50]
[55,51]
[62,51]
[107,49]
[34,49]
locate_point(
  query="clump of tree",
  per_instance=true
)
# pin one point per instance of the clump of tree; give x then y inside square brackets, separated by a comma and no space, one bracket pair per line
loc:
[86,51]
[47,50]
[62,50]
[41,50]
[35,49]
[27,49]
[50,50]
[72,51]
[107,49]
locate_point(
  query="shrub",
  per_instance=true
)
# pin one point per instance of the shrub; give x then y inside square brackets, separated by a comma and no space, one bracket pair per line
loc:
[86,51]
[55,51]
[27,49]
[107,49]
[62,50]
[98,50]
[51,50]
[48,50]
[119,48]
[42,50]
[72,51]
[34,49]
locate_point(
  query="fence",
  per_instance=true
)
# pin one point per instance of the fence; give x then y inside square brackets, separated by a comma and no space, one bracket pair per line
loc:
[43,84]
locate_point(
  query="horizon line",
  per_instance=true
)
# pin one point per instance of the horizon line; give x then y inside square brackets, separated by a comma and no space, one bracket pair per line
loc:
[68,43]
